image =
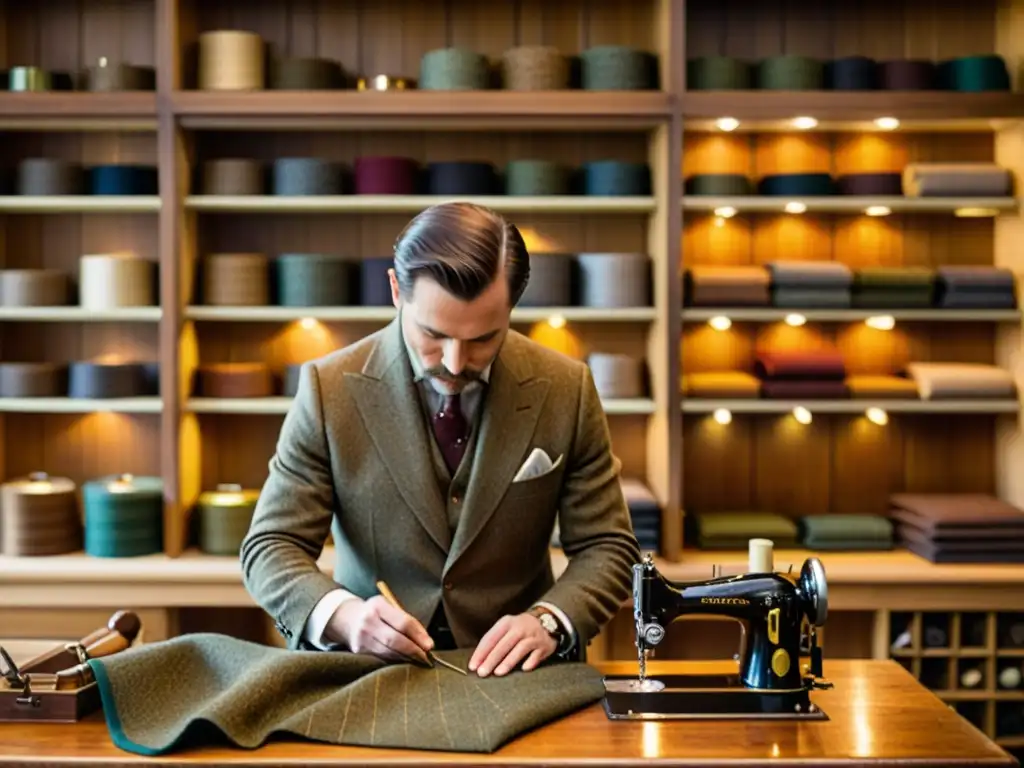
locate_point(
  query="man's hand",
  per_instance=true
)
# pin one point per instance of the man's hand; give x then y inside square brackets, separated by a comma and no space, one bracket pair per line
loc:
[378,628]
[511,640]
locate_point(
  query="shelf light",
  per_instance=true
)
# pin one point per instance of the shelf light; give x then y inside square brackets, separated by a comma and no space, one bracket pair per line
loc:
[722,416]
[727,124]
[881,322]
[556,321]
[725,212]
[720,323]
[802,415]
[308,323]
[887,123]
[877,416]
[795,319]
[975,213]
[794,207]
[878,210]
[804,123]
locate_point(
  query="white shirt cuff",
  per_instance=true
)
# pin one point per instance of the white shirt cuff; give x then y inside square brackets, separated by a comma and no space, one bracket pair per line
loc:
[321,615]
[564,620]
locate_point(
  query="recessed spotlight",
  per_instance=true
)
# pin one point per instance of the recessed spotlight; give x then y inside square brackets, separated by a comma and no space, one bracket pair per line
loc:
[975,213]
[802,415]
[804,123]
[877,416]
[556,321]
[722,415]
[727,123]
[725,212]
[720,323]
[795,207]
[308,323]
[881,322]
[887,123]
[794,319]
[877,210]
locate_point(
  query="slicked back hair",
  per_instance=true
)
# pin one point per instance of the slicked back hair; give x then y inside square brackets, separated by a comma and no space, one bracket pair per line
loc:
[463,247]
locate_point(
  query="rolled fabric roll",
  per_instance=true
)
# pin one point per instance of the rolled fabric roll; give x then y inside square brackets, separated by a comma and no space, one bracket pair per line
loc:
[852,73]
[374,286]
[719,73]
[314,280]
[616,68]
[33,288]
[956,180]
[974,74]
[385,83]
[107,76]
[614,178]
[536,178]
[224,518]
[907,75]
[718,185]
[462,178]
[870,184]
[33,380]
[306,74]
[454,69]
[291,379]
[39,517]
[38,80]
[236,280]
[946,381]
[386,175]
[234,380]
[108,281]
[796,184]
[550,283]
[44,176]
[791,73]
[302,176]
[614,279]
[98,381]
[231,60]
[123,180]
[123,516]
[534,68]
[617,375]
[233,177]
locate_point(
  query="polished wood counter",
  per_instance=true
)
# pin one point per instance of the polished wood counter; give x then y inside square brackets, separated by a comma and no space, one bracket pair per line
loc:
[878,716]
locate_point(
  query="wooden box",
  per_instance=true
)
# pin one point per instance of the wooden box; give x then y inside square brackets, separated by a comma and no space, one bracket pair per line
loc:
[40,702]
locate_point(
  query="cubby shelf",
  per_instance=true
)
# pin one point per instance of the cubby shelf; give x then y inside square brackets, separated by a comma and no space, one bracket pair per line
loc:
[772,315]
[78,111]
[700,405]
[385,314]
[959,206]
[80,405]
[81,314]
[280,405]
[414,204]
[80,204]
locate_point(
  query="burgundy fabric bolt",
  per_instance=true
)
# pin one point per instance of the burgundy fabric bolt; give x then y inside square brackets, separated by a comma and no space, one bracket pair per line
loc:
[385,175]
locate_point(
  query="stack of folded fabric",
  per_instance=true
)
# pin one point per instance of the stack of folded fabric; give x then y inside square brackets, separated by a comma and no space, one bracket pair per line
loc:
[956,180]
[981,287]
[644,513]
[721,385]
[959,527]
[846,532]
[881,387]
[734,530]
[893,287]
[796,374]
[743,286]
[951,381]
[808,284]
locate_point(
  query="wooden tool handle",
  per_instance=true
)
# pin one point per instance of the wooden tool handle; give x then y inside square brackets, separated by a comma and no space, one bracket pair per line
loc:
[125,622]
[75,677]
[113,643]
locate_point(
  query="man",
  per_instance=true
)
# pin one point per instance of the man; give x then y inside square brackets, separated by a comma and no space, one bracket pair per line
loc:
[442,450]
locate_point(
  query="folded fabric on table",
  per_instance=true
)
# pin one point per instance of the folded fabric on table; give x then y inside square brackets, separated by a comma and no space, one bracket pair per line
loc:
[956,180]
[959,527]
[995,551]
[949,381]
[979,287]
[868,387]
[727,286]
[816,364]
[734,530]
[822,389]
[846,532]
[204,689]
[721,384]
[893,287]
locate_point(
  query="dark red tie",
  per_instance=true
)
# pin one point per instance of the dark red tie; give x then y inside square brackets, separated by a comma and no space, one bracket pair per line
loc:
[450,429]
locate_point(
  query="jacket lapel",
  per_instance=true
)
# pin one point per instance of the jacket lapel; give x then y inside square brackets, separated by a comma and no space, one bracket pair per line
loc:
[386,396]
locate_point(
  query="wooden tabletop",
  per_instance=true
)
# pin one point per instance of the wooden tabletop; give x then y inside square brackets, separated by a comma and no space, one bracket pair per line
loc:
[878,715]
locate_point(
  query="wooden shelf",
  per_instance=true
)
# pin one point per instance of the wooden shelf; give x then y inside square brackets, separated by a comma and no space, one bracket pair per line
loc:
[80,204]
[842,204]
[280,405]
[385,314]
[77,111]
[414,204]
[773,315]
[700,405]
[80,405]
[81,315]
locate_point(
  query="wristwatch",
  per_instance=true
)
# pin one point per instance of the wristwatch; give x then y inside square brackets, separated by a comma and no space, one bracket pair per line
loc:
[552,626]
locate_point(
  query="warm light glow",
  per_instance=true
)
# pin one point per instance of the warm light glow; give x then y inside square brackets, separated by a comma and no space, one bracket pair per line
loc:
[725,212]
[720,323]
[802,415]
[795,207]
[719,222]
[881,322]
[887,123]
[877,416]
[975,213]
[795,319]
[877,210]
[727,123]
[308,323]
[556,321]
[804,123]
[722,415]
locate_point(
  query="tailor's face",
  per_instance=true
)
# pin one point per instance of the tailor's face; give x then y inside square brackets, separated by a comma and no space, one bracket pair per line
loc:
[455,340]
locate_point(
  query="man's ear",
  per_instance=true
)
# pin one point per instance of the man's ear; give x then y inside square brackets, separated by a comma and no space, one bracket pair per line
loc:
[396,297]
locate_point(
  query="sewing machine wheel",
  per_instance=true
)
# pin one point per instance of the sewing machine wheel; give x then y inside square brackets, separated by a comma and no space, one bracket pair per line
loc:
[815,589]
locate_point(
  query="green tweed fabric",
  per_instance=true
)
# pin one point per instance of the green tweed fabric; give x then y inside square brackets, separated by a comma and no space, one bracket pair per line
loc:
[206,689]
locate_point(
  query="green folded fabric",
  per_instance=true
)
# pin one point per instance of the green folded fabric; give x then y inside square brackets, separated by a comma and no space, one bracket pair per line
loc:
[894,276]
[204,689]
[716,530]
[846,545]
[846,532]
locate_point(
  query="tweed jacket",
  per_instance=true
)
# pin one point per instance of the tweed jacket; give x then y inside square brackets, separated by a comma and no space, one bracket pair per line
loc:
[353,458]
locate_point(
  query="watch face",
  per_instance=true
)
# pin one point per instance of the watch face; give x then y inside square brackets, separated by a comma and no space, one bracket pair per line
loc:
[548,622]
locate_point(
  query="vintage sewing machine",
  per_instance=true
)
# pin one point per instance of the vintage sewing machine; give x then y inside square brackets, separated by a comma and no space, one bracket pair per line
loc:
[779,614]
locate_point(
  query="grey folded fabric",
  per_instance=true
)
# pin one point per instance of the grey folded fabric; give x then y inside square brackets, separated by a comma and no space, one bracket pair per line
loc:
[808,297]
[810,273]
[956,180]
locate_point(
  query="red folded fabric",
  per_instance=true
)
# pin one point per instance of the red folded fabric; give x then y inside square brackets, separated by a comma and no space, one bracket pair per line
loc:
[793,364]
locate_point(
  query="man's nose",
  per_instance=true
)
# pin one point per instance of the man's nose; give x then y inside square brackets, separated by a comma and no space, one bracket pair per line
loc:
[455,357]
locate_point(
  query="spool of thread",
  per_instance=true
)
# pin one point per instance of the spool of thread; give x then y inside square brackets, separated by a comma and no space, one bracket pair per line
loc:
[108,281]
[39,517]
[33,288]
[614,178]
[791,73]
[614,279]
[534,68]
[796,184]
[44,176]
[306,74]
[852,73]
[974,74]
[971,678]
[38,80]
[314,280]
[760,556]
[718,185]
[236,280]
[617,375]
[385,175]
[224,518]
[550,283]
[291,379]
[374,286]
[97,381]
[1010,677]
[33,380]
[536,178]
[616,68]
[123,180]
[461,178]
[233,177]
[107,76]
[303,176]
[907,75]
[231,60]
[385,83]
[233,380]
[454,69]
[870,184]
[718,73]
[123,516]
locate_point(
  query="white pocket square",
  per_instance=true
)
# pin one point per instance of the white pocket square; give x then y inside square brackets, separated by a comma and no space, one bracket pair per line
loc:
[537,463]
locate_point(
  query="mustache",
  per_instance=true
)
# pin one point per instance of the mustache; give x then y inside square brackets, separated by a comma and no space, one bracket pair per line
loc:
[442,372]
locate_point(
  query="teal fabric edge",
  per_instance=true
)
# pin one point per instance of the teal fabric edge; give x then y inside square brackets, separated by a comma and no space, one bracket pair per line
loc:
[113,720]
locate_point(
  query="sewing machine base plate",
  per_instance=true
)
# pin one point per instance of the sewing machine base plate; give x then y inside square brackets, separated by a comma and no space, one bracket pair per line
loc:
[707,697]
